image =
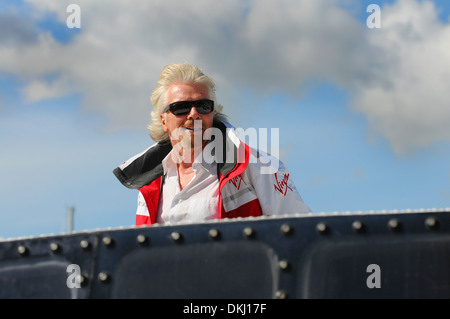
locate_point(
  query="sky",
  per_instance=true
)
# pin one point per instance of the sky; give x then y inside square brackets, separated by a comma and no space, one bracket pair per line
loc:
[360,98]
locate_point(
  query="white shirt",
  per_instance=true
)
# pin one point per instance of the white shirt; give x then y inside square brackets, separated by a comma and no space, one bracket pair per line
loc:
[196,202]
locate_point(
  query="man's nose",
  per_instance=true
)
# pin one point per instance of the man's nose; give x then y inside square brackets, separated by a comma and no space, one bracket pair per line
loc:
[193,114]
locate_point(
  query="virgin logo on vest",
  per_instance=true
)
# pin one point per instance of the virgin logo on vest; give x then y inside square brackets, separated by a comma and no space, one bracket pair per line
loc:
[282,186]
[236,181]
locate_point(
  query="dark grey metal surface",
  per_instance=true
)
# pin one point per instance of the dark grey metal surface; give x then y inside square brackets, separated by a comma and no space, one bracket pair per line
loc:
[314,256]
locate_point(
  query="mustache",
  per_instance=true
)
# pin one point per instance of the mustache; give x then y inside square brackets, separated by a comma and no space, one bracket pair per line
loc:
[193,123]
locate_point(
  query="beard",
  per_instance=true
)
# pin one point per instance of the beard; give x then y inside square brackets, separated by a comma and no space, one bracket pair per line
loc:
[191,135]
[188,140]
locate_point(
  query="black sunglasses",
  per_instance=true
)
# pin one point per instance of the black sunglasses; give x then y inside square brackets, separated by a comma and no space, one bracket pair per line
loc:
[203,106]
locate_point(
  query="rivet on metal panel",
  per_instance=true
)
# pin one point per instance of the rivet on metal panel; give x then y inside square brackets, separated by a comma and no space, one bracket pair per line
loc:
[55,247]
[142,239]
[281,294]
[214,233]
[85,244]
[358,226]
[394,224]
[431,223]
[104,277]
[322,228]
[108,241]
[248,232]
[176,236]
[286,229]
[284,264]
[22,250]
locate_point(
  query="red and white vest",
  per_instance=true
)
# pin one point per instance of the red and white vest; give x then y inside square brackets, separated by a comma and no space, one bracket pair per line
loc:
[251,183]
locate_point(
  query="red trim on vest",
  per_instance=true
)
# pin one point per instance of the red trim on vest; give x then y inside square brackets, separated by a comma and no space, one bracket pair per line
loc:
[250,209]
[142,220]
[151,194]
[238,170]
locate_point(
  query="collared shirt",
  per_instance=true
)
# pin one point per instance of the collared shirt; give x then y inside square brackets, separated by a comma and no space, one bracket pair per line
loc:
[196,202]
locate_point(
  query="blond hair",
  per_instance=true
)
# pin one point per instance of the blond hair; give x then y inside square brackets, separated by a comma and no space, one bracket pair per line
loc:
[178,73]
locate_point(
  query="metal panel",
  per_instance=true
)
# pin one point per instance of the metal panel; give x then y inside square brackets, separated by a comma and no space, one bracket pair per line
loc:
[309,256]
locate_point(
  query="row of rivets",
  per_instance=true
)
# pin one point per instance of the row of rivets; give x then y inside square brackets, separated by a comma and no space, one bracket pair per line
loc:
[285,229]
[54,247]
[248,232]
[104,276]
[213,234]
[284,265]
[108,241]
[393,224]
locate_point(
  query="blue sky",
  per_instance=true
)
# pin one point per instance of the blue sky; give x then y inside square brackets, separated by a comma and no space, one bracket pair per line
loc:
[362,113]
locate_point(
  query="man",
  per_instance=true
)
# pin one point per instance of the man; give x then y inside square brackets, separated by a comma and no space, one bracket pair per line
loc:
[198,169]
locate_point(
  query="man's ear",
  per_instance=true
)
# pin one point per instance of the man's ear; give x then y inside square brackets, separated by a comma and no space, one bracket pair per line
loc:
[163,121]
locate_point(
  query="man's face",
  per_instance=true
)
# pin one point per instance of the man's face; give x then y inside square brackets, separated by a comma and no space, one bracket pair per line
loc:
[181,127]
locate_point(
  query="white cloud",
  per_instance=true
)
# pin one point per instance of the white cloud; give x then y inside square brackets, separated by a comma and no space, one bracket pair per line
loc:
[411,107]
[398,74]
[117,57]
[39,90]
